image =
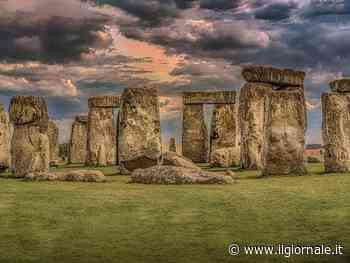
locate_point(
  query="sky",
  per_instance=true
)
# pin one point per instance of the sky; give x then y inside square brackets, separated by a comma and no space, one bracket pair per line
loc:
[69,50]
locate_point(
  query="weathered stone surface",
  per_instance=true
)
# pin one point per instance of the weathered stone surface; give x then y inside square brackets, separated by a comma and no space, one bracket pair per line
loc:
[5,140]
[177,175]
[139,141]
[173,159]
[194,134]
[285,127]
[252,113]
[340,85]
[102,137]
[70,176]
[336,132]
[29,110]
[201,97]
[30,147]
[172,145]
[224,157]
[64,151]
[279,77]
[104,102]
[53,139]
[223,135]
[78,140]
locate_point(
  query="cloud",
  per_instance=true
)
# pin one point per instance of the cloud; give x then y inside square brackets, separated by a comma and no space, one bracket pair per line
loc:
[150,12]
[220,4]
[276,10]
[50,30]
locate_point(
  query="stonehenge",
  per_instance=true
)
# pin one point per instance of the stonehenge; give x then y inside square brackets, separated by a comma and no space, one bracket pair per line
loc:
[336,127]
[53,140]
[102,131]
[5,140]
[30,147]
[139,141]
[195,141]
[78,140]
[264,129]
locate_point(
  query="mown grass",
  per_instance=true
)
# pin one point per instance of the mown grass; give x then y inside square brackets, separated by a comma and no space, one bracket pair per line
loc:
[121,222]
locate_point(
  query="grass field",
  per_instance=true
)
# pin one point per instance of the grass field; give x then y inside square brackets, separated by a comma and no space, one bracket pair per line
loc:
[127,223]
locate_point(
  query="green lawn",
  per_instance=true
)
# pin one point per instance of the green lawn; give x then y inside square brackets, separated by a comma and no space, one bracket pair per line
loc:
[127,223]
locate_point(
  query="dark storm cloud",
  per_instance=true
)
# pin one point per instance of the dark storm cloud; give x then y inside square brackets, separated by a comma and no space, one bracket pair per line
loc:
[48,30]
[220,4]
[276,11]
[326,7]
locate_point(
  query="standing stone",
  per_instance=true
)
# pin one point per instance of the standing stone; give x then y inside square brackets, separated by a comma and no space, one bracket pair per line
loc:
[53,139]
[78,140]
[139,141]
[195,134]
[285,127]
[5,140]
[223,135]
[252,111]
[336,132]
[102,131]
[30,143]
[172,145]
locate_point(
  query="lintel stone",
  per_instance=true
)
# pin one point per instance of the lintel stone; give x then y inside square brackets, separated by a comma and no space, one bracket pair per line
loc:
[218,97]
[104,102]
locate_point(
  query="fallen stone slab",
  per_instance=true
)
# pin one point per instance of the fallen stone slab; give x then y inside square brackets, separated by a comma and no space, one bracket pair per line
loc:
[340,85]
[280,77]
[225,157]
[177,175]
[174,159]
[69,176]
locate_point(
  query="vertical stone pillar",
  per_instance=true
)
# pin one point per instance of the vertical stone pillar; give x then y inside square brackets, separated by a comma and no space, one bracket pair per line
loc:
[30,143]
[252,107]
[223,142]
[285,126]
[78,140]
[53,139]
[102,131]
[139,140]
[172,145]
[5,140]
[336,127]
[195,134]
[280,119]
